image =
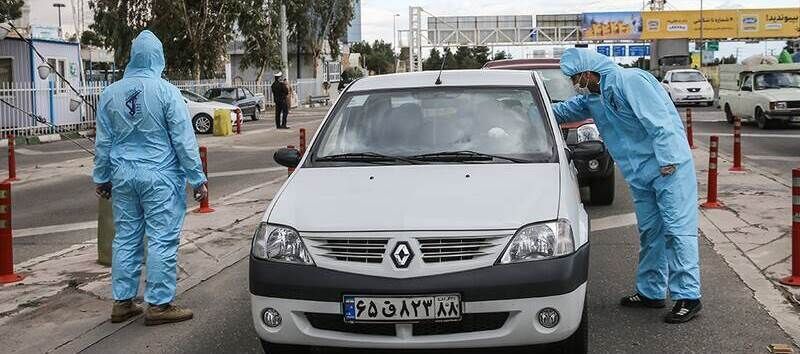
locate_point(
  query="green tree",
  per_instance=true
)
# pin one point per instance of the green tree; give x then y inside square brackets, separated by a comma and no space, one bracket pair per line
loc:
[259,24]
[10,9]
[501,55]
[450,62]
[464,58]
[481,54]
[434,60]
[313,22]
[377,57]
[88,37]
[118,22]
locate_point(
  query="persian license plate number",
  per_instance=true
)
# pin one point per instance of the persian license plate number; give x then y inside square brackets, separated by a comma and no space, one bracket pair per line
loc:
[402,308]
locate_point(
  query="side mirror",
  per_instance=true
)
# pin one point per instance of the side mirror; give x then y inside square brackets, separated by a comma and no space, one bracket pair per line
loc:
[287,157]
[665,81]
[588,150]
[568,152]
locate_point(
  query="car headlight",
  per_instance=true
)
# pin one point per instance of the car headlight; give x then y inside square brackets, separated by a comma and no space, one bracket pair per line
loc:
[779,105]
[588,132]
[539,241]
[280,244]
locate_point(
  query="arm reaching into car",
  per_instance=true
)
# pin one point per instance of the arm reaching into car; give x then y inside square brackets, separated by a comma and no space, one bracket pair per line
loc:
[573,110]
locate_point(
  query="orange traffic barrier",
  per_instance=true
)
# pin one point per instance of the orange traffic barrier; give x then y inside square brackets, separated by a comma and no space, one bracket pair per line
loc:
[12,159]
[7,274]
[737,146]
[794,279]
[711,198]
[204,205]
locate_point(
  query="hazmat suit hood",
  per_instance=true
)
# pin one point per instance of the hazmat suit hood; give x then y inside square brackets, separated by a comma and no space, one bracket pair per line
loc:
[578,60]
[147,56]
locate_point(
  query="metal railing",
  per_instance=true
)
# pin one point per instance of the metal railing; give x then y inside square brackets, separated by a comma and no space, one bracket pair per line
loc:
[52,104]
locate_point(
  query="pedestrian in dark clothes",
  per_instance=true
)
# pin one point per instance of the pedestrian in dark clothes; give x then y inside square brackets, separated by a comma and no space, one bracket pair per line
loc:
[280,94]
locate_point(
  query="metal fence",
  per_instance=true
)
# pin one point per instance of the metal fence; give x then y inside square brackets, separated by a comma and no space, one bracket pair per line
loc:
[22,100]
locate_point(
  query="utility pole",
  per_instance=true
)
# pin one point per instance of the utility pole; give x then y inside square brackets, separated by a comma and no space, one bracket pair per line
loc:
[60,31]
[284,43]
[702,43]
[395,38]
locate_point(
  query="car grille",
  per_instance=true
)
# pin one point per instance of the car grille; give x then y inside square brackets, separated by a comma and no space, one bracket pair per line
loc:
[450,249]
[470,322]
[351,250]
[793,104]
[693,89]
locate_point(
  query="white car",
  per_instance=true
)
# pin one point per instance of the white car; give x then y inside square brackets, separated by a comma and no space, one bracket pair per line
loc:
[688,86]
[201,111]
[427,216]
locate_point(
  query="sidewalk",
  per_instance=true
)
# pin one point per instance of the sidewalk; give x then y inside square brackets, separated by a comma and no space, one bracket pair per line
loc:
[63,304]
[753,233]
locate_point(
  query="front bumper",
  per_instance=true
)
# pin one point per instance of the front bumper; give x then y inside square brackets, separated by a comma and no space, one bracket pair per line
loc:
[790,115]
[309,300]
[687,97]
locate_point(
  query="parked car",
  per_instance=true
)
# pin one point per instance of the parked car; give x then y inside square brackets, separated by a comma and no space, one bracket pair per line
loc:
[202,112]
[688,86]
[597,174]
[421,212]
[768,94]
[250,104]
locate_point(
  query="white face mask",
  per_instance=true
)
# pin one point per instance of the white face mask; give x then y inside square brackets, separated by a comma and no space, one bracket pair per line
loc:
[582,90]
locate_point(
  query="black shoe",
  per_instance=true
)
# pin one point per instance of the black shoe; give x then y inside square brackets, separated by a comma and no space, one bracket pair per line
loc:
[683,311]
[638,300]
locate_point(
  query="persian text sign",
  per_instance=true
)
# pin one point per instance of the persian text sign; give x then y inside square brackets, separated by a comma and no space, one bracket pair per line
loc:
[687,24]
[769,23]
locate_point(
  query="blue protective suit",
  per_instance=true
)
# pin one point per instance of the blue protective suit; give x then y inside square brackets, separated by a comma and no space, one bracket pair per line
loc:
[146,148]
[643,132]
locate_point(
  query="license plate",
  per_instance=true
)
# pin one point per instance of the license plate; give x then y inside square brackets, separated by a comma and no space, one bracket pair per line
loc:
[694,97]
[402,308]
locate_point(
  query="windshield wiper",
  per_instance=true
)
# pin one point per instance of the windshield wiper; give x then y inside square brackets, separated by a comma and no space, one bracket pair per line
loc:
[369,157]
[464,155]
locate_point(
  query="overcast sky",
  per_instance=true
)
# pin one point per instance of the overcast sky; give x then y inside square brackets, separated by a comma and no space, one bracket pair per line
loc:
[377,15]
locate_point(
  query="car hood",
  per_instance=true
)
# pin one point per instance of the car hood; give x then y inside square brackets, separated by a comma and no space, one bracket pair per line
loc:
[781,94]
[695,84]
[419,197]
[213,105]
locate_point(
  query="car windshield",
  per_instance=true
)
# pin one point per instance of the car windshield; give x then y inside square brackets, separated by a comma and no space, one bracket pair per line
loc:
[558,85]
[441,125]
[688,76]
[191,96]
[775,80]
[229,93]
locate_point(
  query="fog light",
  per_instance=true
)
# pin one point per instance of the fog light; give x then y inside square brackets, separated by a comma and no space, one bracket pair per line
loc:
[548,317]
[271,317]
[594,164]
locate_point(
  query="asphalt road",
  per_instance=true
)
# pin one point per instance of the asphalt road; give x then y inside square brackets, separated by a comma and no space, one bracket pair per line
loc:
[775,150]
[731,321]
[67,199]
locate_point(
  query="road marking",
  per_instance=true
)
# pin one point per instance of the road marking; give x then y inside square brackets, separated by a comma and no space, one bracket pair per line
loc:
[774,158]
[51,229]
[251,171]
[756,135]
[613,221]
[24,151]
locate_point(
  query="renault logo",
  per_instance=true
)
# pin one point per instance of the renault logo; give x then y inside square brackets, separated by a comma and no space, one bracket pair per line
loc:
[402,254]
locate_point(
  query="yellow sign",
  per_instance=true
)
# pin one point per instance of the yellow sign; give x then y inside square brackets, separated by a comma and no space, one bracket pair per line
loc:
[686,24]
[722,24]
[769,23]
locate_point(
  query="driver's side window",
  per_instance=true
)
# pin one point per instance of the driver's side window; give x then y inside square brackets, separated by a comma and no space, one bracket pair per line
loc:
[747,84]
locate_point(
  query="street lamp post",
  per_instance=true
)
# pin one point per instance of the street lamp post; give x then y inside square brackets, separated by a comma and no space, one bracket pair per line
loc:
[395,37]
[60,31]
[702,43]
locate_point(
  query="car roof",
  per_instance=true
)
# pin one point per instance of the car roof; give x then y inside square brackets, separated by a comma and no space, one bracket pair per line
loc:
[684,71]
[450,78]
[523,64]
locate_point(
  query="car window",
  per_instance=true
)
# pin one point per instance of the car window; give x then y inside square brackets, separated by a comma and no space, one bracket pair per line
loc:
[687,76]
[558,85]
[747,84]
[226,94]
[191,96]
[773,80]
[247,93]
[241,94]
[499,121]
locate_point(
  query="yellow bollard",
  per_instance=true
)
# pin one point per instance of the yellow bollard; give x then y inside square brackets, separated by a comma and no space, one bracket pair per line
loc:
[222,122]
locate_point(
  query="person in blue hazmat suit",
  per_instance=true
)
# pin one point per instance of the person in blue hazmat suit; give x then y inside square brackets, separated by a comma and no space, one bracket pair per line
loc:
[644,134]
[145,151]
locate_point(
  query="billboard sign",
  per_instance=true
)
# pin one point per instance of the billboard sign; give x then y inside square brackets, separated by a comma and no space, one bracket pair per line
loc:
[604,49]
[722,24]
[769,23]
[619,50]
[611,25]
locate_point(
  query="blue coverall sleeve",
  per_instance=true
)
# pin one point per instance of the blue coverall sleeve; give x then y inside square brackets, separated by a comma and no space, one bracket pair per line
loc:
[183,138]
[573,110]
[647,104]
[102,147]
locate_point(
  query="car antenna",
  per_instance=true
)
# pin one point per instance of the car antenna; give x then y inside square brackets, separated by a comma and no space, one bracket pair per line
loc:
[439,78]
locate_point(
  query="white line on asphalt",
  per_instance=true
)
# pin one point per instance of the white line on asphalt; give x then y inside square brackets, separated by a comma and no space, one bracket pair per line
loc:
[24,151]
[51,229]
[751,135]
[774,158]
[613,221]
[251,171]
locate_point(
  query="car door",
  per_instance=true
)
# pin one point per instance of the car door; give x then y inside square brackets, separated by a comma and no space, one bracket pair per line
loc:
[743,104]
[245,99]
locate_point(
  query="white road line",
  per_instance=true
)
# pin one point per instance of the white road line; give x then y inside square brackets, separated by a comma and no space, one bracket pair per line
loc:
[24,151]
[51,229]
[751,135]
[251,171]
[613,221]
[774,158]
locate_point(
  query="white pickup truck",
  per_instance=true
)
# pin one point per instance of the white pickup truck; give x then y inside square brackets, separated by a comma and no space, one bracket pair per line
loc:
[768,94]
